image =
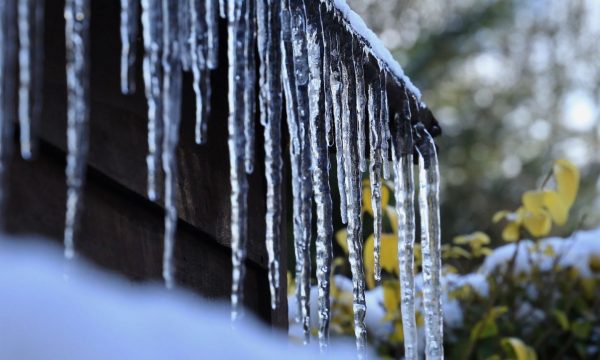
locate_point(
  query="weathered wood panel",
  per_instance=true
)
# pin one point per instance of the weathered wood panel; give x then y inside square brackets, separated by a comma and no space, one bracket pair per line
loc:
[121,229]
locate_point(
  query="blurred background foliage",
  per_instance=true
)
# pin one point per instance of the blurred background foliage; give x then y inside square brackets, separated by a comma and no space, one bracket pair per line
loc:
[514,84]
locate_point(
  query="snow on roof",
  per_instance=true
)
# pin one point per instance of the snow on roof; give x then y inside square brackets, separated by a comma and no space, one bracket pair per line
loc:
[357,25]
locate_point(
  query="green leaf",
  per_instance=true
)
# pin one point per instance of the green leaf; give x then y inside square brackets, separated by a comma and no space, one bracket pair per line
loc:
[561,318]
[517,348]
[581,329]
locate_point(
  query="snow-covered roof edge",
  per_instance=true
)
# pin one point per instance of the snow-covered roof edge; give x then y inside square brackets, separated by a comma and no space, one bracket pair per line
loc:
[375,45]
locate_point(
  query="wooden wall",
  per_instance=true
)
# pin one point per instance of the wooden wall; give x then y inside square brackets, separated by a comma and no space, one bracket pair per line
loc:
[121,229]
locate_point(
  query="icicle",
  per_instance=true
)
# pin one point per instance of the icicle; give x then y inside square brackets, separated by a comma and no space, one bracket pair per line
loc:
[404,193]
[301,72]
[171,62]
[269,38]
[239,183]
[361,102]
[37,82]
[291,101]
[353,191]
[8,70]
[129,32]
[335,81]
[212,33]
[4,139]
[249,62]
[374,99]
[30,28]
[385,127]
[326,76]
[77,21]
[183,31]
[26,12]
[430,244]
[223,4]
[320,174]
[152,31]
[198,64]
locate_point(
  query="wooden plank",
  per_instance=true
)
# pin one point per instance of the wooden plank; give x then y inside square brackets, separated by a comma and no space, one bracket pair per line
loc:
[122,229]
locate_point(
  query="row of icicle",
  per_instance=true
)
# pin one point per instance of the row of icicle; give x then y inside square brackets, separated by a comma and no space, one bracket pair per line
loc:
[318,70]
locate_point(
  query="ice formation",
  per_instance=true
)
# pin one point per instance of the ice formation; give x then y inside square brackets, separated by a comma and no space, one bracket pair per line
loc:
[335,79]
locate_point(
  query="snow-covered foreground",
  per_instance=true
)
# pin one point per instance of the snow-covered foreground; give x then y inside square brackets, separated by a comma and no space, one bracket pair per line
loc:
[95,315]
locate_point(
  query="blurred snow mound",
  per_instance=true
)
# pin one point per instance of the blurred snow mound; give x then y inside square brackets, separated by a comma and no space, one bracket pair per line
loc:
[95,315]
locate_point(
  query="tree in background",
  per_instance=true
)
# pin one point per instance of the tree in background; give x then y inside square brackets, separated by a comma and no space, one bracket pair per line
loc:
[514,84]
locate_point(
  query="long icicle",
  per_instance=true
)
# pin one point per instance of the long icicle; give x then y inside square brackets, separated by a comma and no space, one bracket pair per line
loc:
[249,83]
[303,267]
[8,79]
[269,38]
[37,80]
[129,33]
[152,33]
[236,142]
[374,99]
[223,4]
[184,27]
[24,10]
[198,65]
[4,140]
[429,211]
[385,127]
[320,173]
[335,81]
[361,103]
[405,193]
[77,23]
[292,115]
[353,191]
[212,33]
[329,113]
[171,63]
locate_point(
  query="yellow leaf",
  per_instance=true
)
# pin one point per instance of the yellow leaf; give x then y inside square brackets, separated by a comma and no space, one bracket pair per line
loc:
[588,286]
[500,215]
[389,256]
[558,209]
[398,335]
[291,283]
[539,224]
[511,232]
[533,201]
[484,251]
[391,296]
[567,180]
[519,349]
[341,236]
[594,263]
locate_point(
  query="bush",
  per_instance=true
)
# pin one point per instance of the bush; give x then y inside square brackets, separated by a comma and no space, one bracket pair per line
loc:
[523,300]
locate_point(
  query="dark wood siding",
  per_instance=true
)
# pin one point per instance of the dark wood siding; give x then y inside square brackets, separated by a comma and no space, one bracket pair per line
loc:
[120,228]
